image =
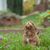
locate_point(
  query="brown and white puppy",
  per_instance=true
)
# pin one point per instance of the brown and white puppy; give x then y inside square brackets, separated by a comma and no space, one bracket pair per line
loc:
[30,34]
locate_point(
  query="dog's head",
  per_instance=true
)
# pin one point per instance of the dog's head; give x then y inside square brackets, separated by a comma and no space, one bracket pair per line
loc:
[30,26]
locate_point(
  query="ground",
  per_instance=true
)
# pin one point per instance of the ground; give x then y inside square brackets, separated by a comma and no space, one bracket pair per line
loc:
[13,41]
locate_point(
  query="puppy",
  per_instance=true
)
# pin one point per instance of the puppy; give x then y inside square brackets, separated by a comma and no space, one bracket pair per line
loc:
[30,35]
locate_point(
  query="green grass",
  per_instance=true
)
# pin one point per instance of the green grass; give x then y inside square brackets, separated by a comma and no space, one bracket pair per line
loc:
[11,41]
[35,18]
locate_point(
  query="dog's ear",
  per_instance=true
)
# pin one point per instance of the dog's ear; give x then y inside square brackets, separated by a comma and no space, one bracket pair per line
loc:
[32,24]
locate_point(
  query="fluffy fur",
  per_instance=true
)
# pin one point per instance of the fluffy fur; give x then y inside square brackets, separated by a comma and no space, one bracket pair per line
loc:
[30,34]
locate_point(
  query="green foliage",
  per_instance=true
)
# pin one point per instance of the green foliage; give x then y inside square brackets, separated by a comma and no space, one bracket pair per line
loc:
[45,37]
[12,41]
[35,18]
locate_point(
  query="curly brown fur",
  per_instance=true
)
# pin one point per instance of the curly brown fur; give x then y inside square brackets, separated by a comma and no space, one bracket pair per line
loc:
[30,34]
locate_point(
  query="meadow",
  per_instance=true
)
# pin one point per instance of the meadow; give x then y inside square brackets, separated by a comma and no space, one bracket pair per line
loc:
[12,41]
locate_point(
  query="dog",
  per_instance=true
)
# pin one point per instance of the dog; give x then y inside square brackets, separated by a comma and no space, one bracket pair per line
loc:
[30,34]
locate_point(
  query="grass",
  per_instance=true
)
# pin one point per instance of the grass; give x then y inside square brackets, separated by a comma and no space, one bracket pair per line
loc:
[11,41]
